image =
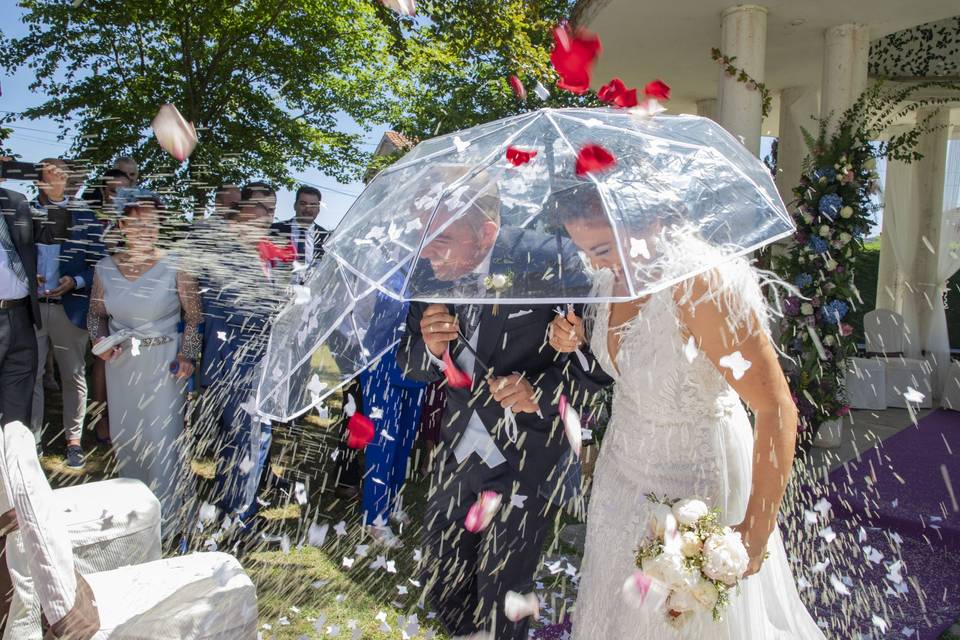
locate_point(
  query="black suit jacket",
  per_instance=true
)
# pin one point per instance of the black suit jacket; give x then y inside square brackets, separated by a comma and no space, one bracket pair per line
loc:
[513,344]
[19,220]
[283,231]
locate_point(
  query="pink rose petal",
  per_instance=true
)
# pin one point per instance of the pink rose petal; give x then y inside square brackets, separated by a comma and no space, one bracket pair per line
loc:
[571,425]
[481,513]
[175,135]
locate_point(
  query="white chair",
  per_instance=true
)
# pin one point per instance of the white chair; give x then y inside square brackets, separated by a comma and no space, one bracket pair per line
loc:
[110,524]
[884,332]
[204,596]
[951,388]
[866,383]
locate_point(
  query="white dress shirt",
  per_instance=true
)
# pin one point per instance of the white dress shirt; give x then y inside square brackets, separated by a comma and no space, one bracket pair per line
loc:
[476,438]
[12,286]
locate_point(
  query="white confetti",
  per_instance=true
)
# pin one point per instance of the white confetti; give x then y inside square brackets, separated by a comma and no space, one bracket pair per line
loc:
[690,350]
[838,585]
[317,534]
[341,528]
[638,248]
[879,623]
[517,500]
[914,396]
[736,363]
[828,535]
[134,347]
[300,493]
[461,145]
[348,562]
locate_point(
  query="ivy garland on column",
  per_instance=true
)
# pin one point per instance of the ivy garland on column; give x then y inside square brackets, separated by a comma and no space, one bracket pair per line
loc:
[832,213]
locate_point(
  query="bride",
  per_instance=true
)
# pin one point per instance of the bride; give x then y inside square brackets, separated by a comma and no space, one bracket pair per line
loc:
[685,360]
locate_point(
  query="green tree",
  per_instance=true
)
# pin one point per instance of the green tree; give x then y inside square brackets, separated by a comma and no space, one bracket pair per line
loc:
[264,81]
[456,58]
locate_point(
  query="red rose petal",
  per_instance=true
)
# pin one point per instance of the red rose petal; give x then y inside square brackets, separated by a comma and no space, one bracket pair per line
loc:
[360,431]
[617,94]
[657,89]
[518,89]
[517,157]
[273,254]
[455,378]
[573,56]
[593,158]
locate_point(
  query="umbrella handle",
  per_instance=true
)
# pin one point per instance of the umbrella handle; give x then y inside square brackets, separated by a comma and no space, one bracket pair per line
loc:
[466,343]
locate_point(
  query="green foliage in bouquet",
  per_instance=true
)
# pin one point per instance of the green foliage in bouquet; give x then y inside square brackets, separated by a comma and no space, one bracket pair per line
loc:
[832,212]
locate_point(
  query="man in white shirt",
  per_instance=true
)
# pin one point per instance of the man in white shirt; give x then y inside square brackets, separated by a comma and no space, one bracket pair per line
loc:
[302,230]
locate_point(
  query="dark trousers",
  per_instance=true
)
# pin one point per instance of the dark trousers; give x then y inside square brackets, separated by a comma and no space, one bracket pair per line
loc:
[467,575]
[18,365]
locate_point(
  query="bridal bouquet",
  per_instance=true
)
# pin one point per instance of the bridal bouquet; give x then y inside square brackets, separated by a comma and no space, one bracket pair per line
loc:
[693,560]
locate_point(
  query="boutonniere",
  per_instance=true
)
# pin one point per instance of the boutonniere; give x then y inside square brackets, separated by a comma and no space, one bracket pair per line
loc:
[498,283]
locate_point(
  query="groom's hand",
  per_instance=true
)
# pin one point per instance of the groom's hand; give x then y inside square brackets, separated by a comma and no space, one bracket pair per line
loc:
[514,392]
[438,328]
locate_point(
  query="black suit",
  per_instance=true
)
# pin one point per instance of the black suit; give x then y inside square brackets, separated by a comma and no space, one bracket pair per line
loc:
[284,232]
[18,340]
[468,574]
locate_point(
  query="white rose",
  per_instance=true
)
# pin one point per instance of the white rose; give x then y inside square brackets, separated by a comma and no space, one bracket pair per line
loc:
[846,212]
[706,593]
[689,510]
[845,237]
[669,567]
[725,558]
[499,281]
[657,524]
[806,309]
[825,231]
[690,544]
[682,600]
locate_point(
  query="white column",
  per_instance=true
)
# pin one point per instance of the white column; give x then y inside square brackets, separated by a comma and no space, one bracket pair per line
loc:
[707,108]
[846,49]
[743,34]
[930,175]
[799,107]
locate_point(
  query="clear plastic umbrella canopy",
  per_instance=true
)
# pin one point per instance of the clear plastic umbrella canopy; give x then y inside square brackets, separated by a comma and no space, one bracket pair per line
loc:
[424,224]
[456,220]
[336,326]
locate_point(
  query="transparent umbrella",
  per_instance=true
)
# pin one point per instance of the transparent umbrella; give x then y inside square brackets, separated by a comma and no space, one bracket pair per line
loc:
[336,326]
[407,230]
[509,213]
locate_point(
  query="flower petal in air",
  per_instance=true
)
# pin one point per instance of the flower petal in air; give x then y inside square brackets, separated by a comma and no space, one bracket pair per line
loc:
[571,425]
[657,89]
[360,431]
[517,157]
[518,89]
[402,7]
[616,93]
[573,57]
[175,135]
[737,364]
[518,606]
[593,158]
[456,378]
[482,511]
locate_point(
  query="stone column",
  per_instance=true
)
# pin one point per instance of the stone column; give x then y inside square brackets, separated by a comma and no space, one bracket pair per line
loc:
[846,50]
[707,108]
[799,107]
[743,34]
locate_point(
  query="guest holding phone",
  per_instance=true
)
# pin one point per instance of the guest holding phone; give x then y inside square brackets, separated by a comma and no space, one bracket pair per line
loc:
[139,296]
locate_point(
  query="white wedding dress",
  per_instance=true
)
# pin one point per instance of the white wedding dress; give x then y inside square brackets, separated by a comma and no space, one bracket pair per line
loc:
[678,430]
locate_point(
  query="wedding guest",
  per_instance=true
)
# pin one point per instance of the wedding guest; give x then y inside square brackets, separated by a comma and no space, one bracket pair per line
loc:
[393,403]
[19,311]
[130,168]
[303,231]
[140,294]
[102,200]
[243,291]
[68,245]
[226,198]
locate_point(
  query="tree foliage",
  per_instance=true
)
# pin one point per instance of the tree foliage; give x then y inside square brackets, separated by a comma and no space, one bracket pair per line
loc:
[266,82]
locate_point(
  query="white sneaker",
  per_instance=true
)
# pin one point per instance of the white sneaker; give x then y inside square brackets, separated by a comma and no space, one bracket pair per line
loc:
[385,536]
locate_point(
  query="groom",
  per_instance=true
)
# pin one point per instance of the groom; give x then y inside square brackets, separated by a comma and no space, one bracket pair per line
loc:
[525,459]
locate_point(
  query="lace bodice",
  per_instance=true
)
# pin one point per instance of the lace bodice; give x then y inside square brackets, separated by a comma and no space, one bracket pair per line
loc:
[676,421]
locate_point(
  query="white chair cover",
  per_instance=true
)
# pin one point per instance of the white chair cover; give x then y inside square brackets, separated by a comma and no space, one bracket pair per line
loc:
[203,596]
[42,529]
[866,383]
[111,524]
[884,331]
[951,388]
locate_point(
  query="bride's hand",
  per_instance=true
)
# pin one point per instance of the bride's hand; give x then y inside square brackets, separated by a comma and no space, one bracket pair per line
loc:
[756,545]
[566,333]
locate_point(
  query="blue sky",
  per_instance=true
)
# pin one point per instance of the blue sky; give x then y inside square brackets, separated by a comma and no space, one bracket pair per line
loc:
[35,139]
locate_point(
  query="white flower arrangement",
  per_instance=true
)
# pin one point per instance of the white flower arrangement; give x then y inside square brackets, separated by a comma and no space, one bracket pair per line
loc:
[694,559]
